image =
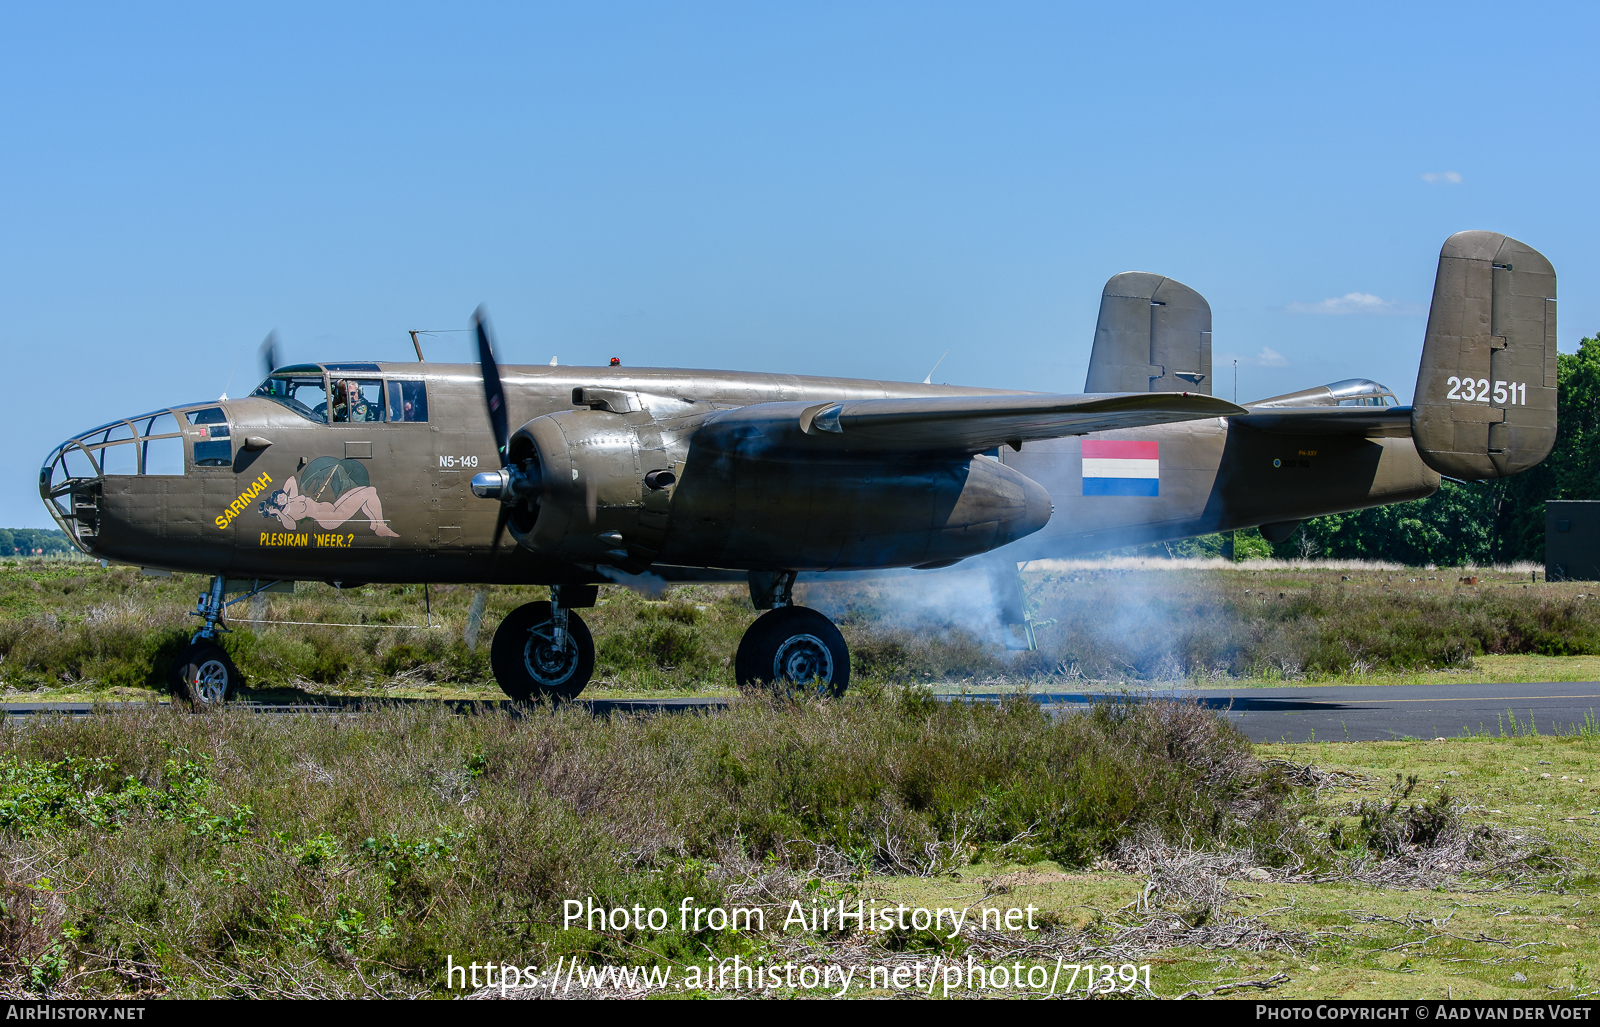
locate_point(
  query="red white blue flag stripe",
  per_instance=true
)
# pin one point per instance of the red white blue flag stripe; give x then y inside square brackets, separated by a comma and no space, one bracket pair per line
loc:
[1119,468]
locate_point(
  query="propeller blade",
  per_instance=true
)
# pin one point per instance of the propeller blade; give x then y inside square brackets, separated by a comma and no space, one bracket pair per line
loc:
[493,394]
[271,353]
[499,530]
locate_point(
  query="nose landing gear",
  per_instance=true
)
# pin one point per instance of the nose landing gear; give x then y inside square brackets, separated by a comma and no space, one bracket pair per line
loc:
[791,645]
[203,673]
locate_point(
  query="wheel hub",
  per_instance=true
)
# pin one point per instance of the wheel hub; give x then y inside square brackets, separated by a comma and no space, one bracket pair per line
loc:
[211,681]
[803,658]
[548,664]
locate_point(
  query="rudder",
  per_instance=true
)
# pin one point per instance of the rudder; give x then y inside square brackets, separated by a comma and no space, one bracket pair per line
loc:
[1153,335]
[1485,403]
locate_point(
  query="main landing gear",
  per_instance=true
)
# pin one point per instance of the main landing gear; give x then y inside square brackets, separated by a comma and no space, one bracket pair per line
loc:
[544,650]
[791,646]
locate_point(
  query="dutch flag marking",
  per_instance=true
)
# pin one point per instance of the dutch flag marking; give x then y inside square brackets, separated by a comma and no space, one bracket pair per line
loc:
[1116,468]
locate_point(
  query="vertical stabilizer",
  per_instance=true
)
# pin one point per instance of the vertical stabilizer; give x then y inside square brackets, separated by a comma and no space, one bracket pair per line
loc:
[1485,404]
[1153,335]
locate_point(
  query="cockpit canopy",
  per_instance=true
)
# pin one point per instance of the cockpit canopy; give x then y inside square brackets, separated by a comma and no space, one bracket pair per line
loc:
[1352,392]
[1361,392]
[344,394]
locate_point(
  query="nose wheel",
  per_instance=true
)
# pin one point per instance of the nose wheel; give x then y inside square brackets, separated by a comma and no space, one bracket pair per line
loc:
[204,675]
[794,646]
[542,652]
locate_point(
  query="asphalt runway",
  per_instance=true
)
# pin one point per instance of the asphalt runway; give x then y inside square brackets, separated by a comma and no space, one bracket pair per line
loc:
[1313,713]
[1384,712]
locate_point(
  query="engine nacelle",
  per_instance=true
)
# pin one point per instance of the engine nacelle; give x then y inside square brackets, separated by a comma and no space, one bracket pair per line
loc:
[591,502]
[626,489]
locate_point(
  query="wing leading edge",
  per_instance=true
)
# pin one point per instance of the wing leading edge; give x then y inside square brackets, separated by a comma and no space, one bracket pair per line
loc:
[956,424]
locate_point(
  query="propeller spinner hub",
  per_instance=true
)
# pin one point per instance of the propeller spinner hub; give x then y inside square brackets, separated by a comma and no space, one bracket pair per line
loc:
[491,484]
[509,484]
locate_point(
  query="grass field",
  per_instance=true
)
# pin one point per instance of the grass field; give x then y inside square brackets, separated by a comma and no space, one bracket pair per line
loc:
[156,852]
[1441,934]
[153,852]
[70,629]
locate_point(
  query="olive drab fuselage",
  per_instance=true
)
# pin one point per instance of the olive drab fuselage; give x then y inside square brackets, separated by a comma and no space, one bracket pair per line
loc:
[389,500]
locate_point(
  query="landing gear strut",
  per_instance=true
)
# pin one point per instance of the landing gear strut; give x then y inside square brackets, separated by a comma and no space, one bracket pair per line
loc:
[792,646]
[203,673]
[543,651]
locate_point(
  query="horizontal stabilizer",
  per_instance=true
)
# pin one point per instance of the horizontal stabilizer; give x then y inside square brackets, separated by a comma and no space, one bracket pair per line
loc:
[1371,422]
[954,424]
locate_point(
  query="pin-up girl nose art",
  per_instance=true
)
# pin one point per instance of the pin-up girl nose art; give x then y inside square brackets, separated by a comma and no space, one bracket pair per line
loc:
[330,492]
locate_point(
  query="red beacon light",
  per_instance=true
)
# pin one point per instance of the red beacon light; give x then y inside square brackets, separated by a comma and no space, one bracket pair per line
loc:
[616,361]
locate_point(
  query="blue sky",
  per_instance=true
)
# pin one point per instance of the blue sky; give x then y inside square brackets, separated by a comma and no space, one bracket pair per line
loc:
[842,189]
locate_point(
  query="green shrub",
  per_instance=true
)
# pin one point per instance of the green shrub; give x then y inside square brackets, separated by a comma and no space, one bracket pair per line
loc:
[361,851]
[82,627]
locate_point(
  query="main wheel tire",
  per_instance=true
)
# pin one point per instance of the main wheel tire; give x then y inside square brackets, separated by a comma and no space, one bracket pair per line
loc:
[793,646]
[528,665]
[204,675]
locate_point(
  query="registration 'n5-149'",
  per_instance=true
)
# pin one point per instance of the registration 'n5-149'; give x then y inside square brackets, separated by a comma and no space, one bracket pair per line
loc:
[1476,390]
[458,461]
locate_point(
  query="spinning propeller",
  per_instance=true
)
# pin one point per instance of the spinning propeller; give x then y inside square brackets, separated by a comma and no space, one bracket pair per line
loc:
[511,484]
[271,354]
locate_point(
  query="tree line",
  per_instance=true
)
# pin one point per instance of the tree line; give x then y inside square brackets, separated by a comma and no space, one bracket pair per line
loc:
[33,542]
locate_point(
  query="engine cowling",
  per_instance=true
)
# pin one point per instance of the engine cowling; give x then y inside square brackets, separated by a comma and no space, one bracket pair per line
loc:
[592,503]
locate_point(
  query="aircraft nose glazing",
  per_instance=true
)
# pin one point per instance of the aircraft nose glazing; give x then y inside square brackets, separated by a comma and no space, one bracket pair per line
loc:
[69,484]
[72,477]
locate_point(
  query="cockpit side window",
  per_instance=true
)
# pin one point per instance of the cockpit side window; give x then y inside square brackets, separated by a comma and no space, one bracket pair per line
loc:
[408,401]
[356,401]
[212,445]
[306,395]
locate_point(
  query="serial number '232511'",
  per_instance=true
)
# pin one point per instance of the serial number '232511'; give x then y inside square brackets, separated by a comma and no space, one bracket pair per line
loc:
[1476,390]
[458,461]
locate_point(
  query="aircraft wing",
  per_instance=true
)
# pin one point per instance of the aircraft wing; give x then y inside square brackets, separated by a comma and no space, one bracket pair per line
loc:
[1371,422]
[956,424]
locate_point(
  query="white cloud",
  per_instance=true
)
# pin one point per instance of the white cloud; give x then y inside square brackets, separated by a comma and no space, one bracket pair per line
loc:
[1356,303]
[1447,177]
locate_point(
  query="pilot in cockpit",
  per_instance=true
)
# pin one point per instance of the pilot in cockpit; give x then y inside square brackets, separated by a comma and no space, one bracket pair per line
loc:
[349,405]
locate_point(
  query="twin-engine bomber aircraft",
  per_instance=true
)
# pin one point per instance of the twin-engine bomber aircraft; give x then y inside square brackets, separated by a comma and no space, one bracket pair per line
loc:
[388,472]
